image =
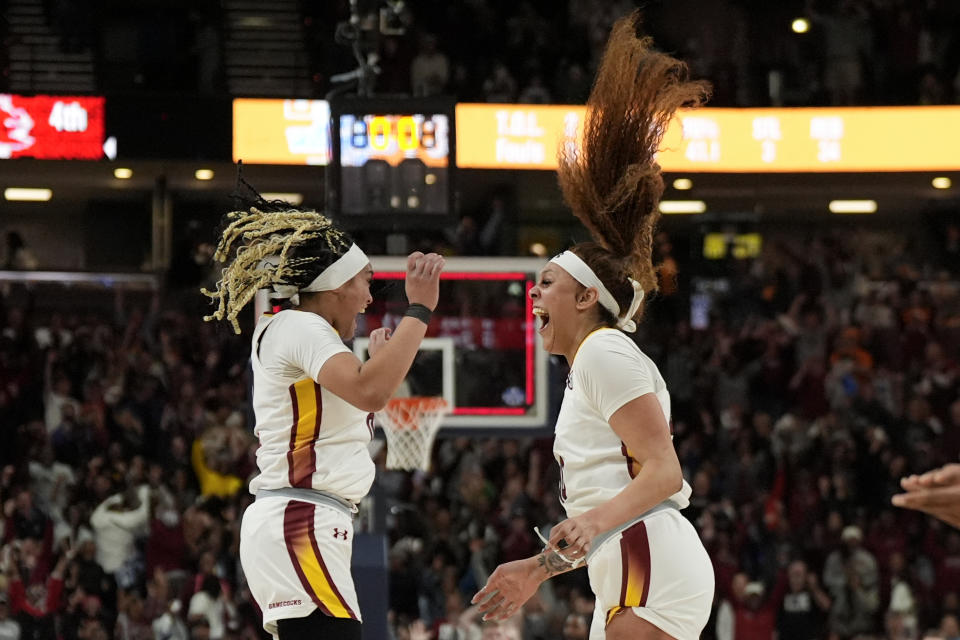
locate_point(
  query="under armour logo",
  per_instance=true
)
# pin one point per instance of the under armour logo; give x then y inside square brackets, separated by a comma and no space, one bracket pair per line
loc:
[338,533]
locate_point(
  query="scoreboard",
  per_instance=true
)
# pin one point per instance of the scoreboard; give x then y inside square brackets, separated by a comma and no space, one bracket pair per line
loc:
[51,127]
[389,157]
[393,138]
[801,140]
[388,134]
[268,131]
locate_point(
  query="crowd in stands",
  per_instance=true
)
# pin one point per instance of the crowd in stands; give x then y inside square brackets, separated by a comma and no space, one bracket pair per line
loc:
[539,51]
[828,371]
[534,51]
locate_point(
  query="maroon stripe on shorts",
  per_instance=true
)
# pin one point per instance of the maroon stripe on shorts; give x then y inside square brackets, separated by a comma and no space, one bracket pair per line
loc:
[295,516]
[326,573]
[635,551]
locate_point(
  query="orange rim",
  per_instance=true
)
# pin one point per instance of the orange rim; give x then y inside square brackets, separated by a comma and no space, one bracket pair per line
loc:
[405,413]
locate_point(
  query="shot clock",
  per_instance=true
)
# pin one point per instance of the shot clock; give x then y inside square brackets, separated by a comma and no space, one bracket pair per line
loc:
[392,161]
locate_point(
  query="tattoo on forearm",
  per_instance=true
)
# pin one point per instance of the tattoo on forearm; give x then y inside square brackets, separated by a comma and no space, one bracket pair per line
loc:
[552,563]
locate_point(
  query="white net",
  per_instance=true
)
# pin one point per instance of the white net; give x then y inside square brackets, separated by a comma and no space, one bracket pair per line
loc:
[411,424]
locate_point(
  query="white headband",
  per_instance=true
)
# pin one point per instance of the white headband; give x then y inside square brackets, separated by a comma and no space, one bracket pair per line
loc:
[346,266]
[582,273]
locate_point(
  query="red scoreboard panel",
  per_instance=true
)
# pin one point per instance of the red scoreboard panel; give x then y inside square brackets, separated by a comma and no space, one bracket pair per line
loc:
[51,127]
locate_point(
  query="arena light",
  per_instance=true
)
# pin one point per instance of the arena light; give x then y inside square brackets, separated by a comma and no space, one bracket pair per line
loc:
[27,195]
[800,25]
[538,249]
[296,199]
[942,182]
[853,206]
[683,184]
[203,174]
[110,148]
[682,206]
[123,173]
[254,22]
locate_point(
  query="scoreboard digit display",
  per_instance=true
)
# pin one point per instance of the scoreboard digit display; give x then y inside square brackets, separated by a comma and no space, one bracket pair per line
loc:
[391,161]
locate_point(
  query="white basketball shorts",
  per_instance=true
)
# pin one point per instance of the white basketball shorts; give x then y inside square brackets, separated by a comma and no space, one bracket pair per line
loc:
[296,558]
[657,568]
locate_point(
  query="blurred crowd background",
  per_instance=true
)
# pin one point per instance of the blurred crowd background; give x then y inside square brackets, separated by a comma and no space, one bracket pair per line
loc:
[827,372]
[805,380]
[538,51]
[853,52]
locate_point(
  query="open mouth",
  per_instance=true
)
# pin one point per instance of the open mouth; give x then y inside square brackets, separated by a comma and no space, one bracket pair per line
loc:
[544,317]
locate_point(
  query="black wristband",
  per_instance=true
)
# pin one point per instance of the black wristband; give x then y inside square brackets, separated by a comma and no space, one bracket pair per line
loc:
[418,311]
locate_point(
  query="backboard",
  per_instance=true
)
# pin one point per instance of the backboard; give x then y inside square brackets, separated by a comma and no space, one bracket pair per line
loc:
[482,352]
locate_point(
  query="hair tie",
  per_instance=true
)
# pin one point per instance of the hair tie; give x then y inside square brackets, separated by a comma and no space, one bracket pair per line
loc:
[626,322]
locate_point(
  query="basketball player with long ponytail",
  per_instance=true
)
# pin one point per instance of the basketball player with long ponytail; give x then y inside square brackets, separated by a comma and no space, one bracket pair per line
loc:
[313,401]
[621,483]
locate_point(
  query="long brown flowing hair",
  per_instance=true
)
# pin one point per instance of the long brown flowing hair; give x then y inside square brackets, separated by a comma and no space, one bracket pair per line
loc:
[611,180]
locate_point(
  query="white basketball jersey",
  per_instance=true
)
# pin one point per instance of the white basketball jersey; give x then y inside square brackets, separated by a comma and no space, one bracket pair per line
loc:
[309,438]
[608,371]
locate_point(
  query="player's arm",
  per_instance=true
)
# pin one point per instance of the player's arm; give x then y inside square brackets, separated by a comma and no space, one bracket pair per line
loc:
[513,583]
[550,563]
[642,427]
[369,385]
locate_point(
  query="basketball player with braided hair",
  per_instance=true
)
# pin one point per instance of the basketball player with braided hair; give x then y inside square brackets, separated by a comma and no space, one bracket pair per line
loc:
[313,401]
[621,483]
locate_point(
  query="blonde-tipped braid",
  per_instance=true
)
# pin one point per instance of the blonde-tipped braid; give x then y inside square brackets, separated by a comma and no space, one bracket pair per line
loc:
[260,235]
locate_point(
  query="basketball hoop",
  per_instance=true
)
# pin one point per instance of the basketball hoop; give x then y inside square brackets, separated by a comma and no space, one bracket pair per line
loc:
[411,424]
